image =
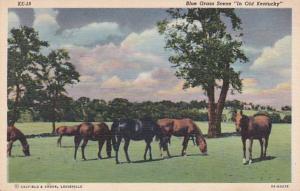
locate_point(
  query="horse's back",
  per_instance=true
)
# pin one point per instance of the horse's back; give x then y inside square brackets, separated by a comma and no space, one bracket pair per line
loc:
[261,125]
[185,124]
[86,129]
[101,129]
[14,133]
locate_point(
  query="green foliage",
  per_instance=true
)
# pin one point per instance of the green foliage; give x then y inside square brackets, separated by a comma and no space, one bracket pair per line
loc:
[287,119]
[24,55]
[203,48]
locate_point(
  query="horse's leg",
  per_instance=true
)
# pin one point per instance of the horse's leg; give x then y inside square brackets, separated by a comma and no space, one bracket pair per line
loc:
[100,145]
[77,140]
[126,145]
[250,150]
[146,150]
[85,141]
[184,145]
[168,153]
[266,146]
[149,147]
[160,147]
[59,141]
[119,139]
[261,148]
[9,147]
[244,151]
[193,139]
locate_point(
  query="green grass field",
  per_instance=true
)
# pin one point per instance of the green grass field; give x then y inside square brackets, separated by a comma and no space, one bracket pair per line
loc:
[49,163]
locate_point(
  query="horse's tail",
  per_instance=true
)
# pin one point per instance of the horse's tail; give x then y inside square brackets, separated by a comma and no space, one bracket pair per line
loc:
[108,143]
[113,136]
[270,126]
[56,130]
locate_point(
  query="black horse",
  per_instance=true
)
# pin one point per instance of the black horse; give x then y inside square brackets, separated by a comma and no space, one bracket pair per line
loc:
[133,129]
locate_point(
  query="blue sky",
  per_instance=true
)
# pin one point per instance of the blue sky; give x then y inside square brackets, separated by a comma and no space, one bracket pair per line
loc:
[119,53]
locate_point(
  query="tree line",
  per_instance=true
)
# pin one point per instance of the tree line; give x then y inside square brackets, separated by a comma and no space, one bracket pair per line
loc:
[95,110]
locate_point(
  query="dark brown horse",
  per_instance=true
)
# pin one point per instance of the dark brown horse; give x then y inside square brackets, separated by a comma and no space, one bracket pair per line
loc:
[88,131]
[65,131]
[257,127]
[14,134]
[180,128]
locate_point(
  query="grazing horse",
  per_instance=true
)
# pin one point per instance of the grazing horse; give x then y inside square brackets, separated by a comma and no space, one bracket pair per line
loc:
[14,134]
[257,127]
[133,129]
[88,131]
[65,131]
[180,128]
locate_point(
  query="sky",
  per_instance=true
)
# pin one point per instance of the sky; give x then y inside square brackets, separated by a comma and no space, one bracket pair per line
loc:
[119,53]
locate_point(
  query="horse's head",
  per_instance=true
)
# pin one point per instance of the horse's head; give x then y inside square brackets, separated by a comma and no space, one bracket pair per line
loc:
[241,121]
[26,150]
[201,142]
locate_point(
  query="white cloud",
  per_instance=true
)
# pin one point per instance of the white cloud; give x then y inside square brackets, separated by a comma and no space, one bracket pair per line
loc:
[275,59]
[13,20]
[148,40]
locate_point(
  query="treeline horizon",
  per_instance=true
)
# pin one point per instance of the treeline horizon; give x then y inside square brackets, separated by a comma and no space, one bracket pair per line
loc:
[92,110]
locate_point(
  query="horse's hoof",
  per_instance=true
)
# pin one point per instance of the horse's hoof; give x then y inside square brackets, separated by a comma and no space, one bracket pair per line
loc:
[250,161]
[244,161]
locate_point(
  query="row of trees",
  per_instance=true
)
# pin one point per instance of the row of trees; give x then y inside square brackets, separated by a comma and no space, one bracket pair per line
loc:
[85,109]
[36,81]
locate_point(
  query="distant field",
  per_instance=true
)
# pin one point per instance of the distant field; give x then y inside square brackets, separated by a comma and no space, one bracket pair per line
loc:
[223,163]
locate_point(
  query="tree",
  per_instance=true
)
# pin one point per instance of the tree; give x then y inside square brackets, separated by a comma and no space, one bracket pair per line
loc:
[120,108]
[203,52]
[56,73]
[23,55]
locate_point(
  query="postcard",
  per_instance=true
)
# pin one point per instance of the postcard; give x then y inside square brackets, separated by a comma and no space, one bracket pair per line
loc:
[160,95]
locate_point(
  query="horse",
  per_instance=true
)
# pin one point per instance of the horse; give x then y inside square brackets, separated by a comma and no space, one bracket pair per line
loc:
[98,132]
[14,134]
[258,127]
[133,129]
[65,131]
[180,128]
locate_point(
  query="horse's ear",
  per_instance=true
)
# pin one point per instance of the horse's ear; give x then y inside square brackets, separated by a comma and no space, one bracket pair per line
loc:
[241,112]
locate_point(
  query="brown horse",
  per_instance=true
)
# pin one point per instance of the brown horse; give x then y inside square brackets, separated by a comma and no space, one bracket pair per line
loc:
[180,128]
[99,132]
[257,127]
[65,131]
[14,134]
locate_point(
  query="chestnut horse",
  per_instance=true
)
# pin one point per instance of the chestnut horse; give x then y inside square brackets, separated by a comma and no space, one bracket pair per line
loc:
[180,128]
[14,134]
[65,131]
[257,127]
[88,131]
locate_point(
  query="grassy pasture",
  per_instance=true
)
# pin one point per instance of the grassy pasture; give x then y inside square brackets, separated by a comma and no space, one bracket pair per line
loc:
[223,163]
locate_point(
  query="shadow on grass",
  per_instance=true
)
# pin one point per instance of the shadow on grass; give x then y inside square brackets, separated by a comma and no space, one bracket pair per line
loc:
[18,156]
[67,146]
[103,158]
[256,160]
